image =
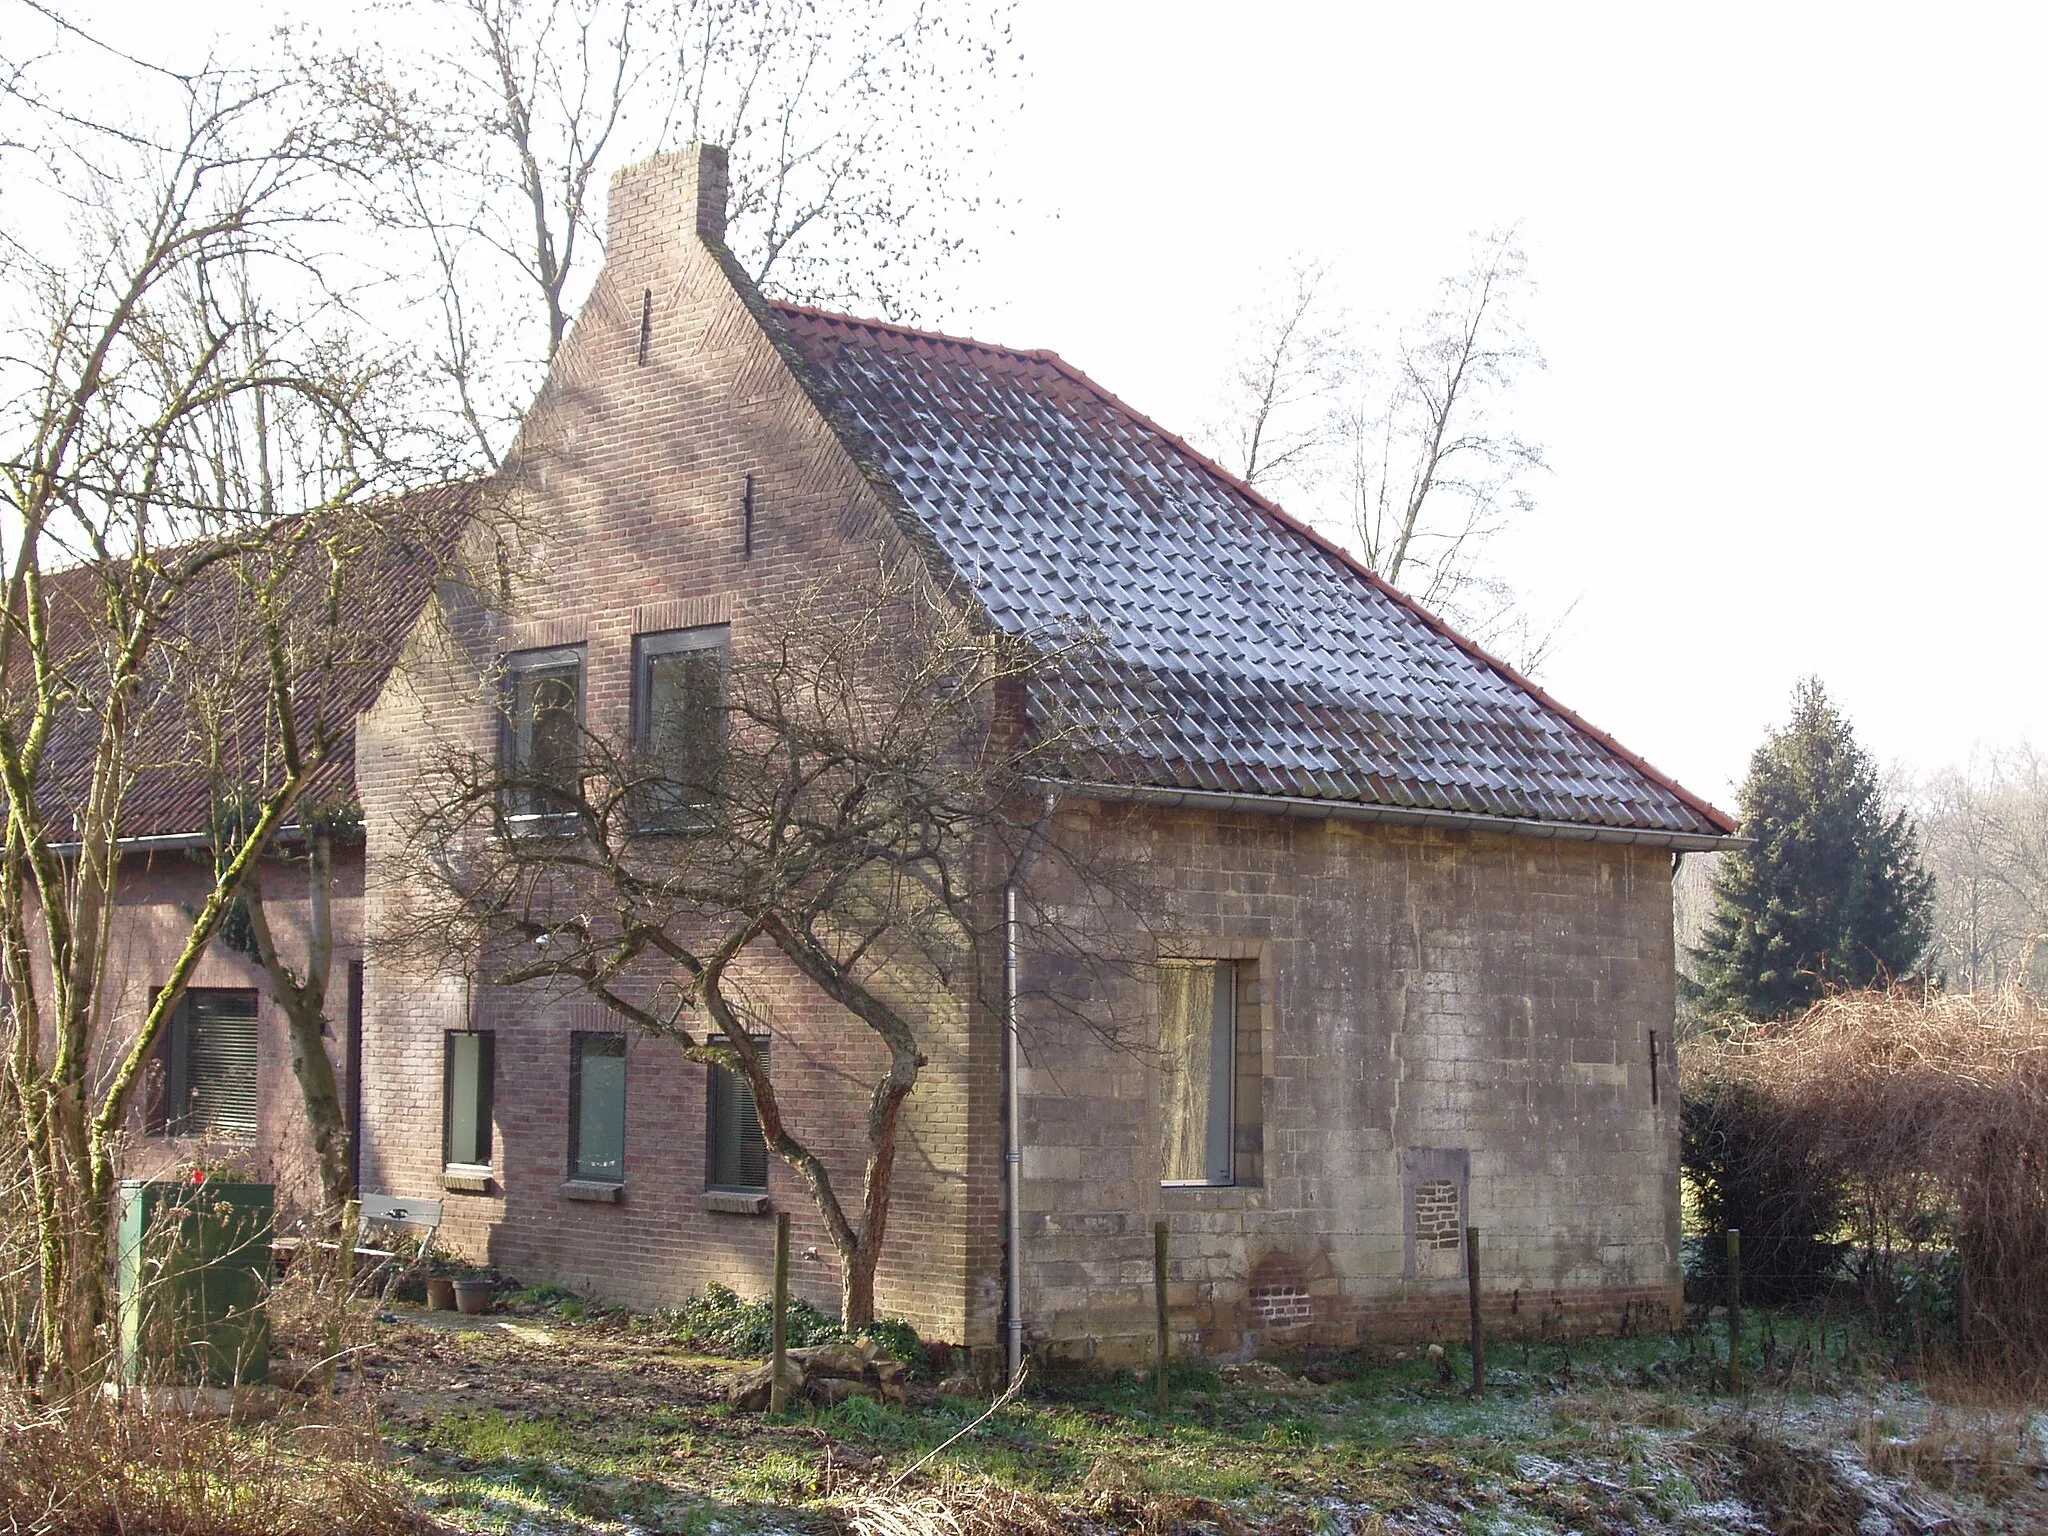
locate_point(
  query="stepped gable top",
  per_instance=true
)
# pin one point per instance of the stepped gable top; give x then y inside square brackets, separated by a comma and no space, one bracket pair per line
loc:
[1244,653]
[383,599]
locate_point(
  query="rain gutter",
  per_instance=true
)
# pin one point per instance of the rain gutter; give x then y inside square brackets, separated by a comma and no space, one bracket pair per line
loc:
[169,842]
[1396,815]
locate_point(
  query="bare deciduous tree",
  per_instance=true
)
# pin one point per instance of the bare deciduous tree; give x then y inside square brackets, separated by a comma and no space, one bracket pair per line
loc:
[852,797]
[1407,447]
[1434,471]
[1985,826]
[1281,421]
[301,990]
[850,129]
[191,434]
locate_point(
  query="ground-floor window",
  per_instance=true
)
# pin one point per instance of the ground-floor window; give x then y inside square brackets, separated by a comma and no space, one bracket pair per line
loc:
[597,1108]
[737,1156]
[466,1098]
[206,1059]
[1197,1070]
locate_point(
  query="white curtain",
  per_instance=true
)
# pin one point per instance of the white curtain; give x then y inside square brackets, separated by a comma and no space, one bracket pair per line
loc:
[1187,1012]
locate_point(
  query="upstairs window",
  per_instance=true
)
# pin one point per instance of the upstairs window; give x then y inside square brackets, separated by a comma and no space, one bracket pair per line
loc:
[207,1058]
[543,729]
[738,1152]
[466,1098]
[1197,1070]
[597,1108]
[679,722]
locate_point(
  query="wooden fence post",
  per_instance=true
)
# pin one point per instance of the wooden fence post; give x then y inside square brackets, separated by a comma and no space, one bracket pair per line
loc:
[1159,1298]
[1734,1309]
[778,1355]
[1478,1333]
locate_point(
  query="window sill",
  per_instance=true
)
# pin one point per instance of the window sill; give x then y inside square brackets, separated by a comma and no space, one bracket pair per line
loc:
[203,1133]
[467,1178]
[593,1190]
[735,1202]
[680,825]
[558,825]
[1221,1196]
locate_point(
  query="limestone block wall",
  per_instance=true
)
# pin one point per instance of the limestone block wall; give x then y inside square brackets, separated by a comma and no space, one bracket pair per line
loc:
[1455,1029]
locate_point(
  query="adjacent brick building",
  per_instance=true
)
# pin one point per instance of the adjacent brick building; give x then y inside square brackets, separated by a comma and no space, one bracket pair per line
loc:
[1421,972]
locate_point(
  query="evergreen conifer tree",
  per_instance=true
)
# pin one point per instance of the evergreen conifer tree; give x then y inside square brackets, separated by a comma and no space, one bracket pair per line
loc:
[1829,893]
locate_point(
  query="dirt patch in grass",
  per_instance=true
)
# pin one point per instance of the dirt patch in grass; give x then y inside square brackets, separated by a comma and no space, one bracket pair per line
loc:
[597,1372]
[605,1425]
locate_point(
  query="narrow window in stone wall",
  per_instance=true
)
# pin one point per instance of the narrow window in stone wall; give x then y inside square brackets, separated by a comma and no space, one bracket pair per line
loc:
[737,1154]
[466,1100]
[542,739]
[206,1062]
[679,723]
[1197,1068]
[597,1108]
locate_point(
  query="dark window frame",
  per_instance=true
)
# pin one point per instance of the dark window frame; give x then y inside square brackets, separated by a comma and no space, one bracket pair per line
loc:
[657,807]
[723,1088]
[526,808]
[171,1111]
[486,1072]
[581,1043]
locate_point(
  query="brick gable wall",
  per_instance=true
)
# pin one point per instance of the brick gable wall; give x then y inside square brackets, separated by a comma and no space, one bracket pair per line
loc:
[629,484]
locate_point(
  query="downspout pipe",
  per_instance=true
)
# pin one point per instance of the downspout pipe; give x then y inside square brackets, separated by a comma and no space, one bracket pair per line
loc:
[1013,1154]
[1013,1063]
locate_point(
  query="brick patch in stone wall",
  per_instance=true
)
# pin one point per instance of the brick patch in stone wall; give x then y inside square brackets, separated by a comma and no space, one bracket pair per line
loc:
[1436,1179]
[1281,1306]
[1437,1216]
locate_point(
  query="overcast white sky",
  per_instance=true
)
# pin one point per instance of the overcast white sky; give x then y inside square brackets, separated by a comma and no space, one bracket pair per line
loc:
[1791,267]
[1789,261]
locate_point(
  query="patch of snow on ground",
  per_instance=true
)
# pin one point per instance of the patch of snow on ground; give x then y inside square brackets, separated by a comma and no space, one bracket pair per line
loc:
[1729,1515]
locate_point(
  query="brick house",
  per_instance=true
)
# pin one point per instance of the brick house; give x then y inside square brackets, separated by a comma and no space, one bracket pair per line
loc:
[1425,977]
[222,1086]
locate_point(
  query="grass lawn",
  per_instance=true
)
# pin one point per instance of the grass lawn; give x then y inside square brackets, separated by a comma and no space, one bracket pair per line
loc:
[565,1420]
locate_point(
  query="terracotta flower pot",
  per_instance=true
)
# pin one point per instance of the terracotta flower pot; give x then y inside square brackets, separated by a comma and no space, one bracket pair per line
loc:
[472,1297]
[440,1294]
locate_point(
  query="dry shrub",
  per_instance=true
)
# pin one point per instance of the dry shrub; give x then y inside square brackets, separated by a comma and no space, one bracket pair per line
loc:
[102,1466]
[1933,1111]
[97,1464]
[1626,1408]
[314,1331]
[1991,1456]
[1109,1500]
[956,1509]
[1797,1490]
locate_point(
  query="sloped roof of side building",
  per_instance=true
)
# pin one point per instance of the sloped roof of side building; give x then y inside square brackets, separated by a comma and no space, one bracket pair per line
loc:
[339,662]
[1243,654]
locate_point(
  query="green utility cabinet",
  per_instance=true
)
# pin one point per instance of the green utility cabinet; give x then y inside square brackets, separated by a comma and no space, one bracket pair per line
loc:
[194,1271]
